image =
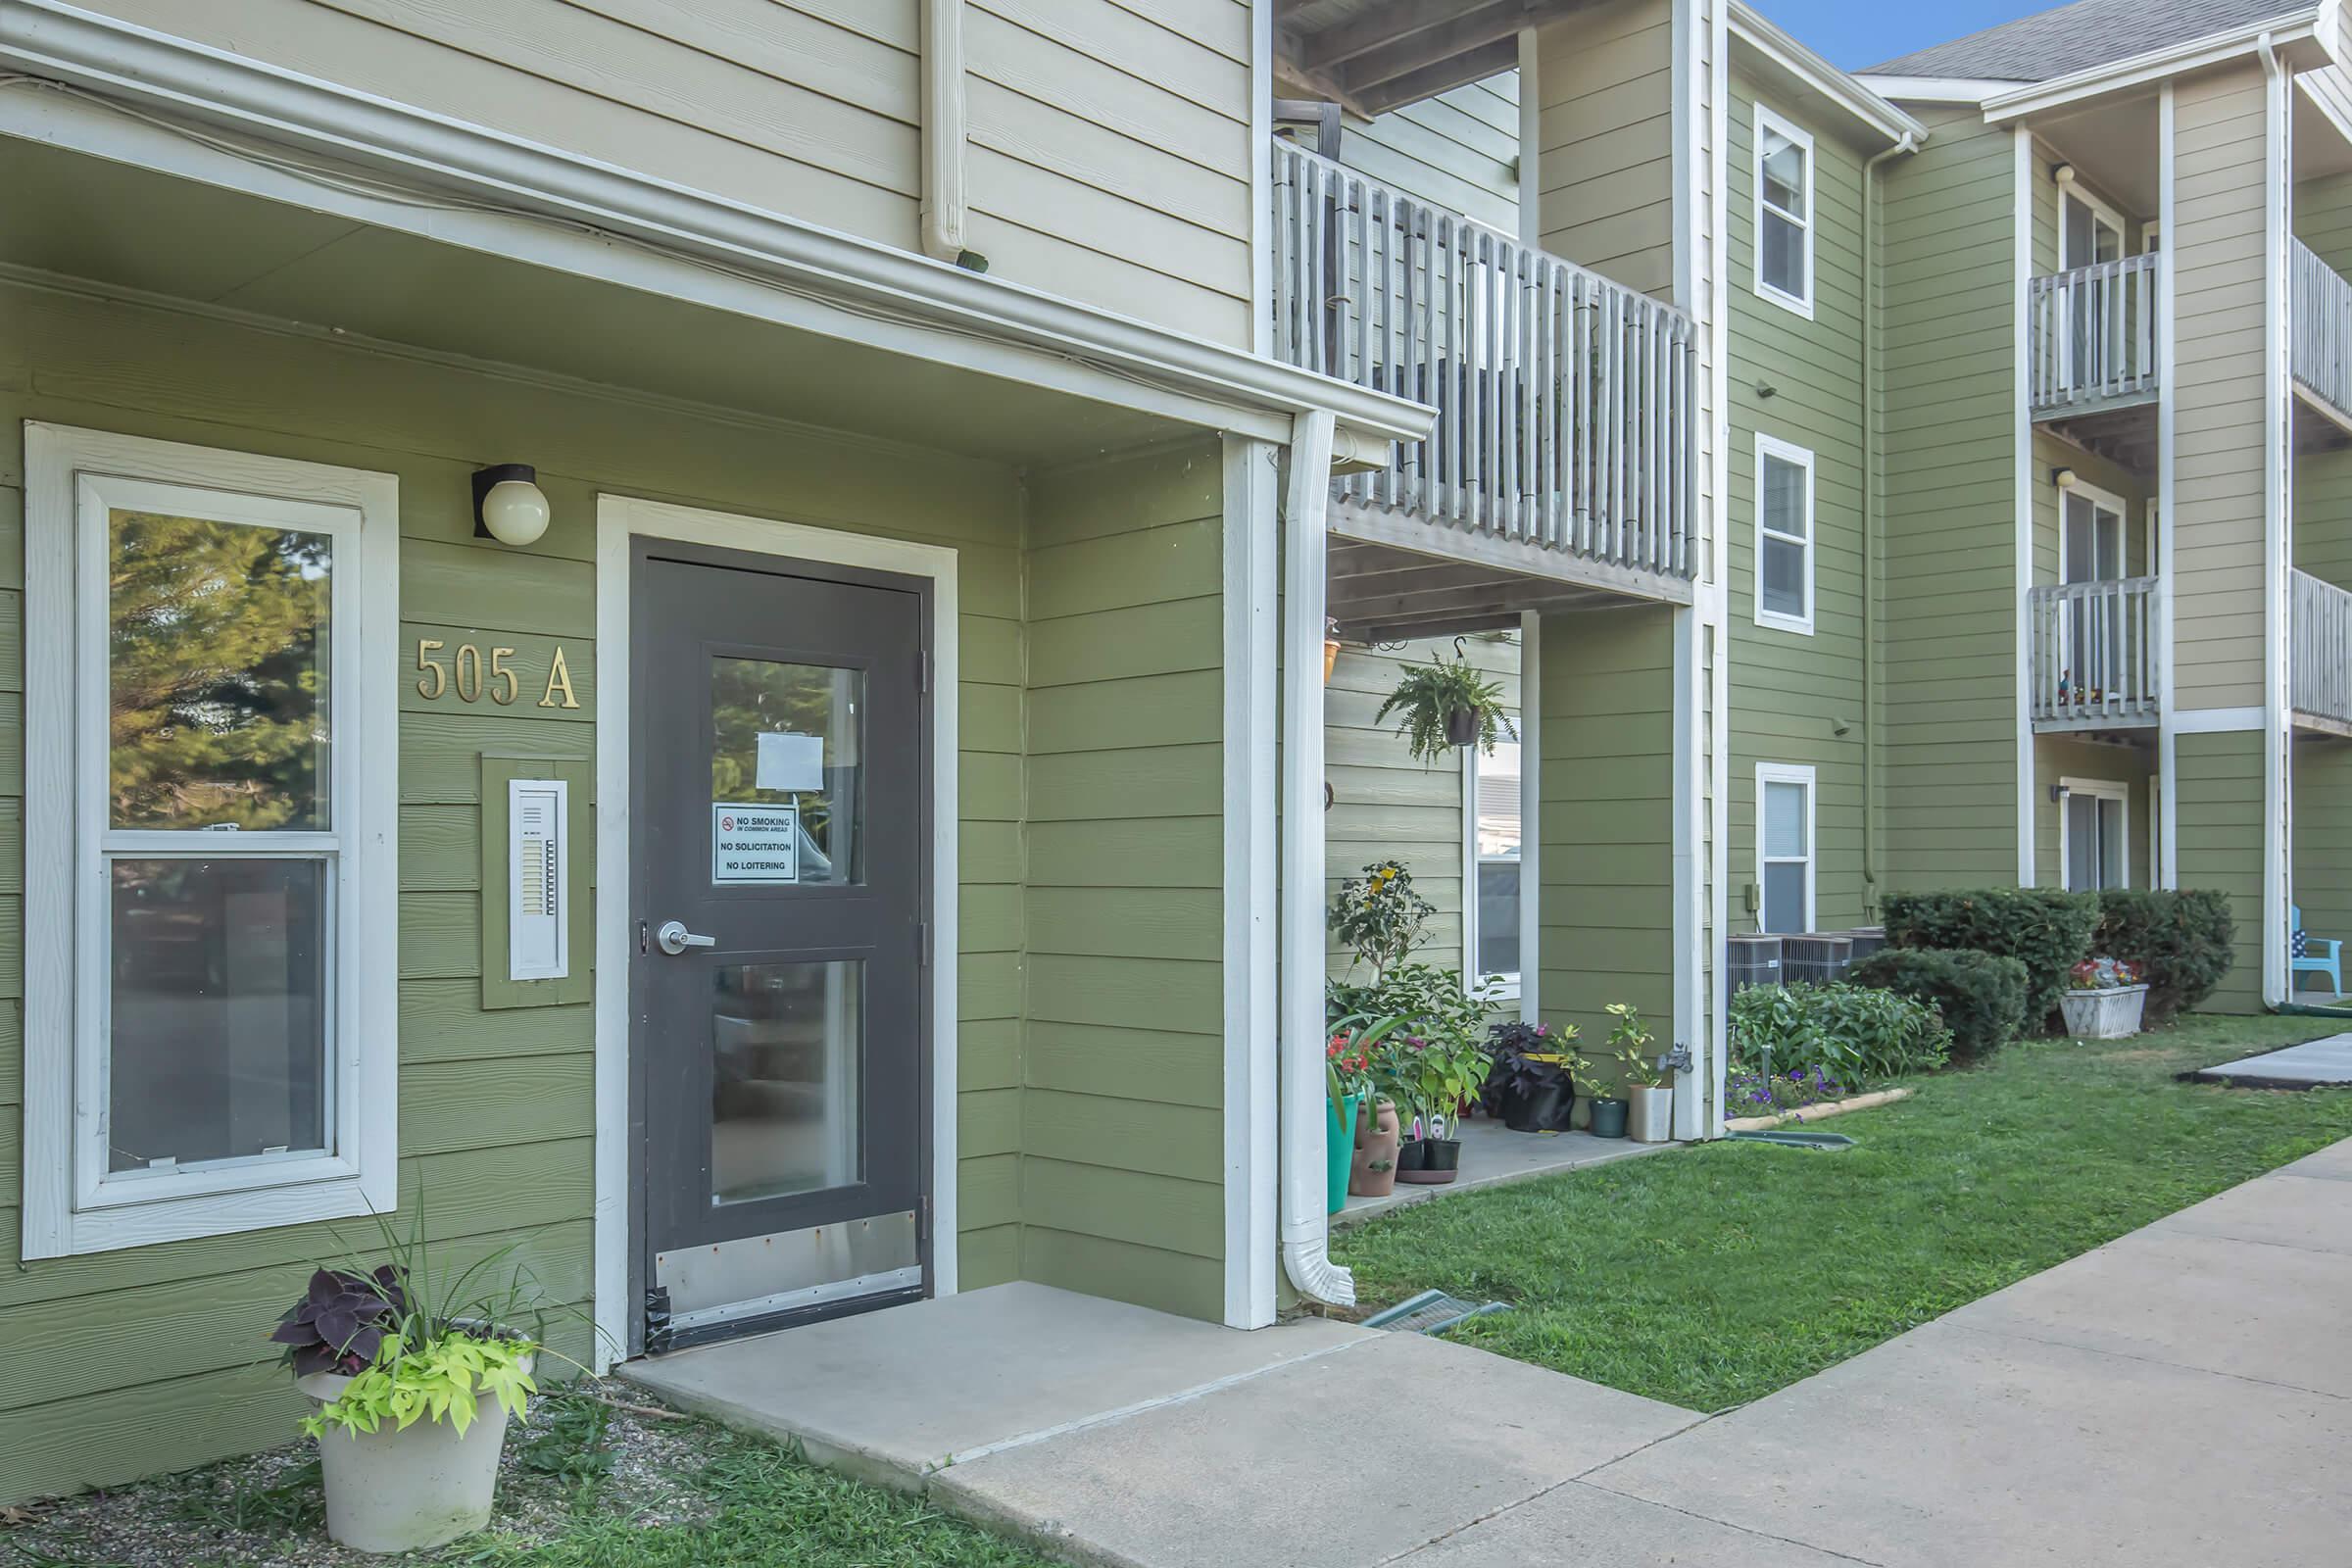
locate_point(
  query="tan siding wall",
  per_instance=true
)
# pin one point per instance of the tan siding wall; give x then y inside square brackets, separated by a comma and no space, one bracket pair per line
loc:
[2216,256]
[1607,174]
[497,1111]
[1947,624]
[1459,150]
[1122,1138]
[1109,156]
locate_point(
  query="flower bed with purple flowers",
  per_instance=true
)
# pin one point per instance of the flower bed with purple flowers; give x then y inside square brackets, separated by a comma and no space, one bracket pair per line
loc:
[1748,1093]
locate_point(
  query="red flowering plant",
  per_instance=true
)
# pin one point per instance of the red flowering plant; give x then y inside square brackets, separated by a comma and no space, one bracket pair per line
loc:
[1353,1057]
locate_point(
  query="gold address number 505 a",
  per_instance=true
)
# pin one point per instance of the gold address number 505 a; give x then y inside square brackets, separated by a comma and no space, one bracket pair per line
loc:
[466,673]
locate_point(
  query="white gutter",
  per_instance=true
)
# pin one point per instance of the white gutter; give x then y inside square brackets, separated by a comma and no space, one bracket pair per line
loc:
[943,201]
[2298,35]
[1936,89]
[163,102]
[1304,1102]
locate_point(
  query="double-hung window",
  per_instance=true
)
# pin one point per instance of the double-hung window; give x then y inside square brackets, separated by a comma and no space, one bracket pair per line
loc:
[1784,536]
[1784,852]
[210,841]
[1493,851]
[1784,242]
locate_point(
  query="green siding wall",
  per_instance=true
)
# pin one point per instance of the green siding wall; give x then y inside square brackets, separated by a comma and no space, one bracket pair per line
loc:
[2322,547]
[1116,750]
[2058,757]
[1791,695]
[1947,617]
[2220,806]
[1121,1134]
[1605,734]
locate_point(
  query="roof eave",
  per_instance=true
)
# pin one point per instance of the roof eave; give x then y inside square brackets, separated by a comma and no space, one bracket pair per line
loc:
[1875,113]
[2301,33]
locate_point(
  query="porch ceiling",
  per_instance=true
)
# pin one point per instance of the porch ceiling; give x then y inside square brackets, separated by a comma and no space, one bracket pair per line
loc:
[1373,56]
[1380,593]
[75,217]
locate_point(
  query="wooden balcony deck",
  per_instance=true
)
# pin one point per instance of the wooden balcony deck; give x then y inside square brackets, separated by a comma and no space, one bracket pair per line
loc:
[1567,424]
[2095,659]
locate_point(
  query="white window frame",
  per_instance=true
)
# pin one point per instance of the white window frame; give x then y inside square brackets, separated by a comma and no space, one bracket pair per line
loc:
[1802,456]
[2104,789]
[1765,120]
[72,1203]
[1790,773]
[1509,988]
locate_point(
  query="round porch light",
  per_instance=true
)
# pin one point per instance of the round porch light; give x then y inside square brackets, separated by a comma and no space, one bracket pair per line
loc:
[508,504]
[2062,478]
[2063,174]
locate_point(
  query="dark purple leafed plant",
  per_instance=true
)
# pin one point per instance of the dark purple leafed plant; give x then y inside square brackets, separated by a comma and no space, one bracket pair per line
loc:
[340,1321]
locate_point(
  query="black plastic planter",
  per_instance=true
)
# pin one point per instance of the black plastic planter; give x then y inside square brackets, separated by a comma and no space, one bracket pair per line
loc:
[1543,1110]
[1412,1155]
[1461,726]
[1608,1119]
[1428,1161]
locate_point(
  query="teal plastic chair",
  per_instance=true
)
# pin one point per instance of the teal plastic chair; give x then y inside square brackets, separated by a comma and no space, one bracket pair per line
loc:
[2310,954]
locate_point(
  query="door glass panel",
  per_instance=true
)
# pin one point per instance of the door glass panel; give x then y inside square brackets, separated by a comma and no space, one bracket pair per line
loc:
[216,662]
[1497,917]
[216,1010]
[788,737]
[1785,910]
[1784,821]
[787,1076]
[2082,843]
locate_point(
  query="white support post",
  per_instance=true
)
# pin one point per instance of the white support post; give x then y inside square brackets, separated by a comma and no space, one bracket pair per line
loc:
[1252,538]
[1304,1105]
[2279,464]
[1531,817]
[2168,811]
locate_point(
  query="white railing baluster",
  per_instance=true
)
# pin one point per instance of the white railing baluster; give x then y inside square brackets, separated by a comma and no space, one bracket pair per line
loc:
[2093,334]
[2320,649]
[1565,412]
[2093,655]
[2319,328]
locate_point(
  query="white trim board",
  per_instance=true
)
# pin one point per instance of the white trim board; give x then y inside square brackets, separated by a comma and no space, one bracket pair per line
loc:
[618,519]
[1768,118]
[1848,92]
[1806,774]
[156,101]
[1789,452]
[1251,646]
[2104,789]
[71,475]
[2218,720]
[2022,434]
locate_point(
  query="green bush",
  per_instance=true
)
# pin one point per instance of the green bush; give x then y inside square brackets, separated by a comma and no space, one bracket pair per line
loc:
[1853,1033]
[2047,931]
[1433,1002]
[1981,995]
[2181,940]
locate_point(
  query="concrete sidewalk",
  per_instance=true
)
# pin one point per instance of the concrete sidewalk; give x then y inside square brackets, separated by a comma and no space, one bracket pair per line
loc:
[2180,1396]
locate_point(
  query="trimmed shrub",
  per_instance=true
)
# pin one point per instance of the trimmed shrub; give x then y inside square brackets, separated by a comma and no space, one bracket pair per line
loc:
[2047,931]
[2181,940]
[1855,1034]
[1981,995]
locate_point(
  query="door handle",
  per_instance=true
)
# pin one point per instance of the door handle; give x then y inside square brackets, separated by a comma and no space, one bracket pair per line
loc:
[674,938]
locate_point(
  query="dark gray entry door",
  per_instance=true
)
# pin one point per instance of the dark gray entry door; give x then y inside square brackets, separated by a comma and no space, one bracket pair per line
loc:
[780,876]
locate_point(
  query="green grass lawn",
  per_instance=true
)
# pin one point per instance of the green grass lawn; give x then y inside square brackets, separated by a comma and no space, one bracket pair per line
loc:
[1709,1276]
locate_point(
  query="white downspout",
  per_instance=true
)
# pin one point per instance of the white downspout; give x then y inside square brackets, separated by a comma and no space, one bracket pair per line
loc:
[943,202]
[1304,1107]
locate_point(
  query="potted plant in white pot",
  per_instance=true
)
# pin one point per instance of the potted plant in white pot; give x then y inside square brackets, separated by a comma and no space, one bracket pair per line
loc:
[2103,999]
[412,1382]
[1649,1083]
[1445,704]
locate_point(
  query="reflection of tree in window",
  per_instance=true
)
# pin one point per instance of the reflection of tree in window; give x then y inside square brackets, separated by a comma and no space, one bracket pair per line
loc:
[217,668]
[753,697]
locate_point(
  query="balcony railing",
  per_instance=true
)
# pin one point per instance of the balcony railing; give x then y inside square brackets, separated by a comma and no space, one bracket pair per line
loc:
[2319,657]
[2094,652]
[1565,412]
[2320,331]
[2092,335]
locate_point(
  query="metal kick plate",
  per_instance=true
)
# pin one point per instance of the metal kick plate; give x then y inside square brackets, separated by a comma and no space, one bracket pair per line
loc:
[755,1268]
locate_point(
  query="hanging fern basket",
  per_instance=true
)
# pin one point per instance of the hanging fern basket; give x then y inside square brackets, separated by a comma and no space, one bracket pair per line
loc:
[1444,705]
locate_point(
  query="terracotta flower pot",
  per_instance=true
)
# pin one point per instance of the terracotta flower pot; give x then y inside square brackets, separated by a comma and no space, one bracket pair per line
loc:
[1330,656]
[1373,1174]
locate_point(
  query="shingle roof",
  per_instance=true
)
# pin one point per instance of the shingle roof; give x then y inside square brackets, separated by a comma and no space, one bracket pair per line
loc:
[2076,37]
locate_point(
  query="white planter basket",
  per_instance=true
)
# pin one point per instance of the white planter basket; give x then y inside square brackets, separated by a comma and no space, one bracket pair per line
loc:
[2111,1012]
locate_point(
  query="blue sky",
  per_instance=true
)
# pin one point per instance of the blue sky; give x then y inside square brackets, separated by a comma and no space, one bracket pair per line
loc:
[1854,34]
